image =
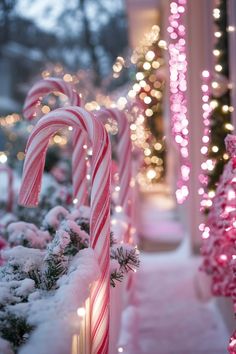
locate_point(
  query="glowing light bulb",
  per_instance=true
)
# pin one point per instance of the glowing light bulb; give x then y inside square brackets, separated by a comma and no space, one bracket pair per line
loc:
[231,29]
[67,78]
[216,52]
[214,104]
[149,112]
[215,148]
[147,66]
[151,174]
[205,73]
[118,209]
[217,34]
[81,312]
[150,55]
[215,84]
[139,76]
[225,156]
[75,201]
[3,157]
[133,127]
[162,44]
[225,108]
[229,126]
[211,194]
[218,67]
[147,152]
[120,350]
[216,13]
[223,257]
[147,100]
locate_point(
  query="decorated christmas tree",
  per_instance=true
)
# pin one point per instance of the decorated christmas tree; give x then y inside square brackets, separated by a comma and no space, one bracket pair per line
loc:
[148,130]
[220,101]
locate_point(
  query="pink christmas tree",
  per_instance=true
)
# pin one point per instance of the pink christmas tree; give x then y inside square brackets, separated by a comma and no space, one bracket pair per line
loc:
[219,235]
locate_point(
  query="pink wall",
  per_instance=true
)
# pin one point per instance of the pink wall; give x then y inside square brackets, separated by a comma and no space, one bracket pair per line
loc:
[200,44]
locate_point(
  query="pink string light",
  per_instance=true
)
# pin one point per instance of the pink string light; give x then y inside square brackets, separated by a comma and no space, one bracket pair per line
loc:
[207,164]
[178,88]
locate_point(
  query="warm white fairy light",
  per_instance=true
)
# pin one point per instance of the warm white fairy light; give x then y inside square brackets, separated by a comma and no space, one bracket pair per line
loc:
[151,173]
[231,29]
[218,67]
[118,209]
[81,312]
[3,157]
[10,119]
[217,34]
[75,201]
[208,105]
[178,87]
[216,52]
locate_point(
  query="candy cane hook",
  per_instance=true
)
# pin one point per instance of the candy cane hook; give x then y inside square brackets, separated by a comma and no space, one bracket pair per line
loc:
[100,201]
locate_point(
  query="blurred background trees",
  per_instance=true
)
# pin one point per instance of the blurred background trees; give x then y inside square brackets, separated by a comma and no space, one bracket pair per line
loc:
[77,34]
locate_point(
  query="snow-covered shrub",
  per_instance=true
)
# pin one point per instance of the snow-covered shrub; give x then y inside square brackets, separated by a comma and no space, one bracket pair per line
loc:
[46,276]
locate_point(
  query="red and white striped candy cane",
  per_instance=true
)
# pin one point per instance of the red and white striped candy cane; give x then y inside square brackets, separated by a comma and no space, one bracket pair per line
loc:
[43,88]
[10,193]
[36,149]
[124,152]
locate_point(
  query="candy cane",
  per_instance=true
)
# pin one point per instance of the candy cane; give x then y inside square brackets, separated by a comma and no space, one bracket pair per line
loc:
[124,156]
[10,192]
[100,201]
[39,90]
[43,88]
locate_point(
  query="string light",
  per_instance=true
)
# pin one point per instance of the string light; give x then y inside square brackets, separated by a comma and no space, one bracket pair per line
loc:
[118,209]
[207,164]
[3,157]
[10,119]
[81,312]
[216,112]
[147,108]
[178,87]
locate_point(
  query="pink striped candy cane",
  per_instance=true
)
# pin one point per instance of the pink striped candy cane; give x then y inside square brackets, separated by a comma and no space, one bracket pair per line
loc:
[43,88]
[124,156]
[100,201]
[10,193]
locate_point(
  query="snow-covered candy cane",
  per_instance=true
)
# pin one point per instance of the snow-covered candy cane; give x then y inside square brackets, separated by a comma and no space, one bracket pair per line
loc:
[36,149]
[10,193]
[33,99]
[124,158]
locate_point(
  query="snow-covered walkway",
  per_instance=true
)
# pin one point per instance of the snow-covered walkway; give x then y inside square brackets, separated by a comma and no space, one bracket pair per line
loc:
[172,318]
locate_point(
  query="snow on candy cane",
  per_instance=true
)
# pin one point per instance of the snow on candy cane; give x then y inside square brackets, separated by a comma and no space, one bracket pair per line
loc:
[39,90]
[36,149]
[124,156]
[10,193]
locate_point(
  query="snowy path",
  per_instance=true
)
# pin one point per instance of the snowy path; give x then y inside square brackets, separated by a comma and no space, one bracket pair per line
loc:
[172,319]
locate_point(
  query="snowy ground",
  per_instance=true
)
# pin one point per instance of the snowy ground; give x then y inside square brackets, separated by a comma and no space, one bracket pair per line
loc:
[172,319]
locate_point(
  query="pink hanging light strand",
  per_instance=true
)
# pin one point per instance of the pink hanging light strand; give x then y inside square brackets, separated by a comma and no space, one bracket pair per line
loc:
[178,88]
